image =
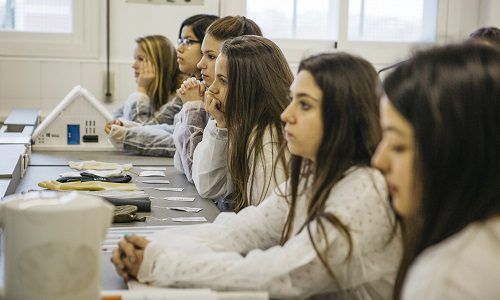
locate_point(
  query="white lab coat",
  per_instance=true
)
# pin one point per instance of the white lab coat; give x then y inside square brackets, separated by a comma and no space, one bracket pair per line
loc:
[464,266]
[210,169]
[242,252]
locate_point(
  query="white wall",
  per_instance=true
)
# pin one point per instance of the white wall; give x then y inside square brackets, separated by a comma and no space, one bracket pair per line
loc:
[41,83]
[490,13]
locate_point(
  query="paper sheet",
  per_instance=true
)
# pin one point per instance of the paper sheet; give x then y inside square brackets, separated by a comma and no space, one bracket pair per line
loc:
[152,174]
[156,181]
[170,189]
[184,199]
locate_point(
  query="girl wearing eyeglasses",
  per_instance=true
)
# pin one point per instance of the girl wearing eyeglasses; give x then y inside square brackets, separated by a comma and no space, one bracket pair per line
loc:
[191,34]
[154,137]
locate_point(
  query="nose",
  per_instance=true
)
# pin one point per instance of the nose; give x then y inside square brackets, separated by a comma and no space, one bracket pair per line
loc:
[201,64]
[213,88]
[180,48]
[287,114]
[379,158]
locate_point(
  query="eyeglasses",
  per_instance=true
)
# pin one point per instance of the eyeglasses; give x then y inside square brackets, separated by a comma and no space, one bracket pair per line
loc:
[187,42]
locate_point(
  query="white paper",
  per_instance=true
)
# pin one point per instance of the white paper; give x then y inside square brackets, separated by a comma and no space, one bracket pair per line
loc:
[154,168]
[141,291]
[185,208]
[156,181]
[186,199]
[170,189]
[154,293]
[189,219]
[151,174]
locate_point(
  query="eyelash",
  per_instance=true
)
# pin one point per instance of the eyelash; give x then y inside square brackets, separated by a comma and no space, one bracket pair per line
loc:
[398,148]
[304,105]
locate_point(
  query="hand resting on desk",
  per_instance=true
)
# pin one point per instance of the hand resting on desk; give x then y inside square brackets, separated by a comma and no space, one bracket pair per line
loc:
[128,257]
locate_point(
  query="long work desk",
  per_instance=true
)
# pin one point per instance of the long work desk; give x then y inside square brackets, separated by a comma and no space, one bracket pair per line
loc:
[48,166]
[61,158]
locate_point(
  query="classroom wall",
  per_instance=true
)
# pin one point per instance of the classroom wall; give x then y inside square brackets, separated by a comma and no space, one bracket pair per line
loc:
[490,13]
[41,83]
[27,82]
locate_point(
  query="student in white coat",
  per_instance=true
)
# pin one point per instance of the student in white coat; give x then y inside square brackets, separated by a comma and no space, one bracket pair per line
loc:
[328,231]
[235,160]
[440,155]
[193,117]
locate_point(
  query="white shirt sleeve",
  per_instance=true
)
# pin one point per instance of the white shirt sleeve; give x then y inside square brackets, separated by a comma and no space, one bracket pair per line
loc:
[210,171]
[466,265]
[242,252]
[188,133]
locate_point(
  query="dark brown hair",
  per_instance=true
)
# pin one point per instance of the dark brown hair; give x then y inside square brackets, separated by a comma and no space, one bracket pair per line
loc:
[233,26]
[199,24]
[258,82]
[486,34]
[450,95]
[352,132]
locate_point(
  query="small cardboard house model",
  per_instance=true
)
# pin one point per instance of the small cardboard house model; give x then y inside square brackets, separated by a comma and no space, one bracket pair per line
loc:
[76,123]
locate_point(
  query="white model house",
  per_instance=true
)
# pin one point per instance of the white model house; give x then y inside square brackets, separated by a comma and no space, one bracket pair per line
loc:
[76,123]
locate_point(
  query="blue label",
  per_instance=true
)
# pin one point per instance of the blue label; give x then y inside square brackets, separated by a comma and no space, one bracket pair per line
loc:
[73,134]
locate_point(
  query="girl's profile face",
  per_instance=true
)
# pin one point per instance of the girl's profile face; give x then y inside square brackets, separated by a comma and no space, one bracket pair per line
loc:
[139,58]
[303,116]
[188,51]
[395,157]
[218,88]
[210,49]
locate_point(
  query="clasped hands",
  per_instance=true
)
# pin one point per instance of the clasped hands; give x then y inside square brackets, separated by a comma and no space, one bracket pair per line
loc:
[128,257]
[193,89]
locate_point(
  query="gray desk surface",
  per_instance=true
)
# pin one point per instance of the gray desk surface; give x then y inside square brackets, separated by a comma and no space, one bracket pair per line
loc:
[35,174]
[61,158]
[110,280]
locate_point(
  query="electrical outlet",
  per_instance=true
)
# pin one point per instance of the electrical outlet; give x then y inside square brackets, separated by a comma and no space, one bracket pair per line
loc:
[109,91]
[172,2]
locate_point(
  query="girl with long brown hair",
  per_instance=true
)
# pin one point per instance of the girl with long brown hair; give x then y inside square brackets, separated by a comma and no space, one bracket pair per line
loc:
[193,117]
[235,158]
[327,231]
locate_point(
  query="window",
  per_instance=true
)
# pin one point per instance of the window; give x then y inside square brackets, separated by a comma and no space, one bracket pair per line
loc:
[393,20]
[49,28]
[381,31]
[36,15]
[298,19]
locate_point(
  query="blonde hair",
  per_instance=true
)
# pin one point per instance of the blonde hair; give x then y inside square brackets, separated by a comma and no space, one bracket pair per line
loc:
[161,52]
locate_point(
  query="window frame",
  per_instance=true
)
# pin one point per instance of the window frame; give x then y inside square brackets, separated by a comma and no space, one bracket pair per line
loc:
[81,43]
[378,53]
